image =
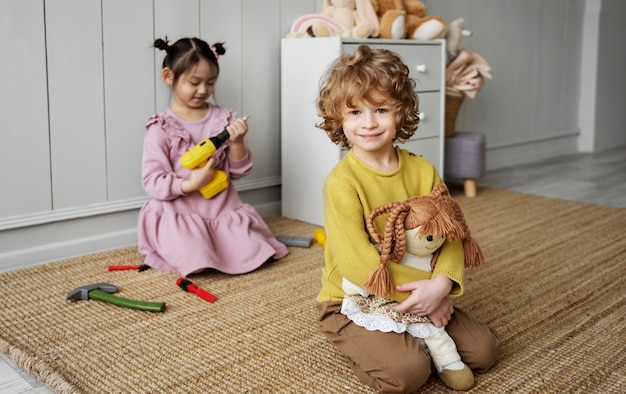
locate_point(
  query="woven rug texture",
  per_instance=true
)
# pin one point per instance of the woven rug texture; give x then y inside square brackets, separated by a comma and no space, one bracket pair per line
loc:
[553,286]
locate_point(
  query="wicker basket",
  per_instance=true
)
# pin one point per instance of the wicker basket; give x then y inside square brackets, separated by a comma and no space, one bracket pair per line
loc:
[454,99]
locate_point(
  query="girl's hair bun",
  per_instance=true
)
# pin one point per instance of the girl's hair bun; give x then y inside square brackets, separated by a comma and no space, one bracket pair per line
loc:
[218,48]
[162,44]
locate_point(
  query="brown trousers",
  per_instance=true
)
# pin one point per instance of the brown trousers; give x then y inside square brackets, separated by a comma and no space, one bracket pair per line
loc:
[395,363]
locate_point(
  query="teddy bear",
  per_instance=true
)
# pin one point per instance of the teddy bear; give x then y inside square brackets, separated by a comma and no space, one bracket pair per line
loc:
[343,18]
[414,231]
[317,25]
[407,19]
[357,16]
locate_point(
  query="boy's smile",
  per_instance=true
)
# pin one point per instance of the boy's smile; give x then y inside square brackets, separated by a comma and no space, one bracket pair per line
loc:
[370,128]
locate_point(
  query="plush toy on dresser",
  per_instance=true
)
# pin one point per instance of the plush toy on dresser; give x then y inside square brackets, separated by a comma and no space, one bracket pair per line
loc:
[456,31]
[356,15]
[344,18]
[407,19]
[316,25]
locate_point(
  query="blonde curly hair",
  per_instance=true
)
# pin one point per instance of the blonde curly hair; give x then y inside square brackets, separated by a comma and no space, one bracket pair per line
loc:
[360,76]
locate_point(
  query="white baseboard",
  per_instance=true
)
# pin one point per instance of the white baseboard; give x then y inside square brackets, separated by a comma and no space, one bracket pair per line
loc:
[530,152]
[55,241]
[46,253]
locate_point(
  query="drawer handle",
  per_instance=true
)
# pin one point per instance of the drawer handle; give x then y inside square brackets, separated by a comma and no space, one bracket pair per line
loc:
[421,68]
[421,116]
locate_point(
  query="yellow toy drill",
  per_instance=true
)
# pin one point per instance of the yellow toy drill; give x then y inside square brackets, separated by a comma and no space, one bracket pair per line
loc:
[198,157]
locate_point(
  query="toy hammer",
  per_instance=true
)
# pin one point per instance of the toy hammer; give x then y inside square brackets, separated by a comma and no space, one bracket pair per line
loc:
[102,292]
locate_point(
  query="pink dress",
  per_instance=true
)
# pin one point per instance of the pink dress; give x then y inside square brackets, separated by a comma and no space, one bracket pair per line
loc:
[186,233]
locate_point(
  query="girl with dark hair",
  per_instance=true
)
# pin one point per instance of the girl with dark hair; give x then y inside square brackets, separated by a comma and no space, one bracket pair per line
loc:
[181,229]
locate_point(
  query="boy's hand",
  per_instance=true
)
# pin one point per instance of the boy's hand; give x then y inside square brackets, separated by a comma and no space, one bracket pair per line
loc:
[442,315]
[426,295]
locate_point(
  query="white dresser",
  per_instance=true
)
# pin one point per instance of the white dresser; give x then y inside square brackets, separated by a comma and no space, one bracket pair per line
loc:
[307,154]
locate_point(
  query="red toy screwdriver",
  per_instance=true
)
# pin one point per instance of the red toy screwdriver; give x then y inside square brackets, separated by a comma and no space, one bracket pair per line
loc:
[139,268]
[189,287]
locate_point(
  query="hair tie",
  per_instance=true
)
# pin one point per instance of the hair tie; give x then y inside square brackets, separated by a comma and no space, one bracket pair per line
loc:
[214,50]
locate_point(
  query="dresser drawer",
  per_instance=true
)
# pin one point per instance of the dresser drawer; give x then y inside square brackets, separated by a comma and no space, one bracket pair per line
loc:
[430,112]
[428,148]
[424,62]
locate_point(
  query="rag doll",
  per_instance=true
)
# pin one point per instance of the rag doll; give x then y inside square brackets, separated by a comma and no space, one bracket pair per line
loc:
[414,232]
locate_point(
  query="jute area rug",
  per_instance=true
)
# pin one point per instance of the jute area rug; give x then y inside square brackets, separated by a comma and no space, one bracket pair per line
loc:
[554,286]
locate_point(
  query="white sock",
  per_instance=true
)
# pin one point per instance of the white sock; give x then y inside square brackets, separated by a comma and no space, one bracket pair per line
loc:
[455,366]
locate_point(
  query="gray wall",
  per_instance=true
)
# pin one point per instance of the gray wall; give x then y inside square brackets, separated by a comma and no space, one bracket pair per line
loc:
[610,116]
[80,80]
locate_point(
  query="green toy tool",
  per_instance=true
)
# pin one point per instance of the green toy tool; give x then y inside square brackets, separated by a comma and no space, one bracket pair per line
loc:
[103,292]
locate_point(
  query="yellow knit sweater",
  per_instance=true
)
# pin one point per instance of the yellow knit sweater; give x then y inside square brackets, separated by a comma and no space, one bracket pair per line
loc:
[351,191]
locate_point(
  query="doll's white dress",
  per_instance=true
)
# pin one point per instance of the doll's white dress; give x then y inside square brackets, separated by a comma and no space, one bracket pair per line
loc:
[375,314]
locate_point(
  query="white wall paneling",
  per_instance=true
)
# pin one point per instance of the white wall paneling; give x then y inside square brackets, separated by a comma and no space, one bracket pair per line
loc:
[589,66]
[611,90]
[224,23]
[76,102]
[529,110]
[25,160]
[129,92]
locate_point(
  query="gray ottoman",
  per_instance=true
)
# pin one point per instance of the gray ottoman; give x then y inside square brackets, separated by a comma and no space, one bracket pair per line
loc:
[464,159]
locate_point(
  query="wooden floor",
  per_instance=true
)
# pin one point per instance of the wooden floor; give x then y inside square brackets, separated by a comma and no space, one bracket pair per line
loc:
[598,178]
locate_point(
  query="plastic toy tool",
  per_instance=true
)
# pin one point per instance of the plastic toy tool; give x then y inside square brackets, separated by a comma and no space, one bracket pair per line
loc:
[189,287]
[139,268]
[103,292]
[300,242]
[304,242]
[198,157]
[320,236]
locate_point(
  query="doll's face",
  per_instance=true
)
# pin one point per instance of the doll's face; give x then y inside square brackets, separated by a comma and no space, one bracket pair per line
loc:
[422,246]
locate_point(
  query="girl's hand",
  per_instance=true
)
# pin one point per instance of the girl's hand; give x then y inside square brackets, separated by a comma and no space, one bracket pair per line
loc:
[237,130]
[442,315]
[199,177]
[426,295]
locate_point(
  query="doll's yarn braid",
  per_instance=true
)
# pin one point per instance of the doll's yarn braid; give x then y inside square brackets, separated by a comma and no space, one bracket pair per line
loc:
[473,253]
[473,256]
[438,214]
[392,244]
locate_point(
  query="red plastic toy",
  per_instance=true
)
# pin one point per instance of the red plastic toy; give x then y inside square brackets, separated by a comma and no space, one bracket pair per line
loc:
[139,268]
[189,287]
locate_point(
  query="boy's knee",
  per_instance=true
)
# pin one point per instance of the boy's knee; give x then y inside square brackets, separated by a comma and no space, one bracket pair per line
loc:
[403,376]
[478,344]
[484,355]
